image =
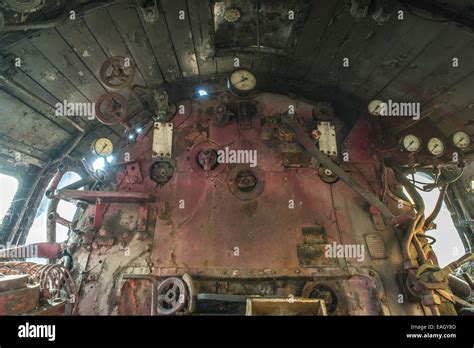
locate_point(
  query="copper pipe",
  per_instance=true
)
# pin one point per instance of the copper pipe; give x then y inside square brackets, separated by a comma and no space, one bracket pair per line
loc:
[418,223]
[437,208]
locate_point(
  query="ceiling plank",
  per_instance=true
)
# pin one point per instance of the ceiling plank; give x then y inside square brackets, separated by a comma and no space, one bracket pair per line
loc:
[180,31]
[444,76]
[338,35]
[312,35]
[40,69]
[59,53]
[12,147]
[162,46]
[456,98]
[201,25]
[81,40]
[19,121]
[130,27]
[462,119]
[7,157]
[444,48]
[399,57]
[376,47]
[43,102]
[110,40]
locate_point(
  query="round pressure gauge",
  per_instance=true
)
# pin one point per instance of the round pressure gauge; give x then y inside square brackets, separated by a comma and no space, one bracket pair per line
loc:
[411,143]
[436,147]
[375,107]
[103,147]
[242,82]
[461,140]
[232,14]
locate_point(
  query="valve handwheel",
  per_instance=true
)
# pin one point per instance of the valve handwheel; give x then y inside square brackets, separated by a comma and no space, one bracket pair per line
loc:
[110,109]
[117,73]
[172,296]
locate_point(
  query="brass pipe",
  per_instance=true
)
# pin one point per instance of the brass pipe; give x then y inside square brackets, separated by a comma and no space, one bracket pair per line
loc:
[418,223]
[443,274]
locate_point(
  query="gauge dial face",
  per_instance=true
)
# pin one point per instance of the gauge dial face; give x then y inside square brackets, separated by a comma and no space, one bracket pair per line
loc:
[232,15]
[375,107]
[242,80]
[461,140]
[103,147]
[436,147]
[411,143]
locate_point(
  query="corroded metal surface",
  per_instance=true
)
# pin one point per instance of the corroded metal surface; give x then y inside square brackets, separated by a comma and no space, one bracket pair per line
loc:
[198,225]
[19,301]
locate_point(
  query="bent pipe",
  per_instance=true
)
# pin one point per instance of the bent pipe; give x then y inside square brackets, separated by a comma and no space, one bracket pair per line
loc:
[80,183]
[437,208]
[418,223]
[17,232]
[459,287]
[53,216]
[62,169]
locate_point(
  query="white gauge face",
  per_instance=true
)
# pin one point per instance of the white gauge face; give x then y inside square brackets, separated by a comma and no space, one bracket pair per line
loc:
[243,80]
[103,147]
[411,143]
[375,107]
[461,140]
[436,146]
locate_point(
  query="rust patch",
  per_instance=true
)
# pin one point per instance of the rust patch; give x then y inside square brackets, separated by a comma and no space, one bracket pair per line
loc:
[182,141]
[312,251]
[112,223]
[249,209]
[314,234]
[166,213]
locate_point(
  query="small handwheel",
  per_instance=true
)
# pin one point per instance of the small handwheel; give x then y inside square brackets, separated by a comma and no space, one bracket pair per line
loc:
[116,73]
[192,297]
[110,109]
[172,296]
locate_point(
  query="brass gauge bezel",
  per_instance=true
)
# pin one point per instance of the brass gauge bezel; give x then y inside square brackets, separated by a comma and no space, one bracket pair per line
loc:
[454,143]
[403,146]
[428,146]
[109,146]
[241,92]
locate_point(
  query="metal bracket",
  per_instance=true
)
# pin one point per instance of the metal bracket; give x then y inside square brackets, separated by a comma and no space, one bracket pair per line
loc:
[162,140]
[327,138]
[149,10]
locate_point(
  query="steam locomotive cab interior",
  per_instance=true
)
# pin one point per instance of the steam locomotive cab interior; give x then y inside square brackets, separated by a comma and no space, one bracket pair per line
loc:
[238,157]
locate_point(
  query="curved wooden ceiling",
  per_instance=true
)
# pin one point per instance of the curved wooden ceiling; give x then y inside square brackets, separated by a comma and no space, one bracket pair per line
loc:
[409,60]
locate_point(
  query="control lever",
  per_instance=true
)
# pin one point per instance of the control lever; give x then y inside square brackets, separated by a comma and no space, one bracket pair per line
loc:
[308,144]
